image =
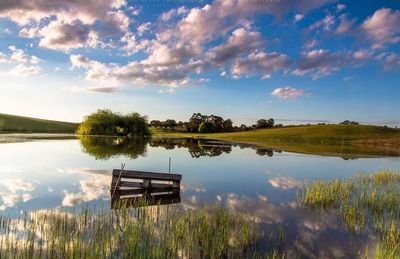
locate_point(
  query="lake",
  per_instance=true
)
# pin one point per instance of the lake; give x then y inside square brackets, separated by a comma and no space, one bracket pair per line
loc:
[66,173]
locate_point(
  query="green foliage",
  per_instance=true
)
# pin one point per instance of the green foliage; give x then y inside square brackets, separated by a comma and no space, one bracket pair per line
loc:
[206,127]
[20,124]
[208,124]
[106,122]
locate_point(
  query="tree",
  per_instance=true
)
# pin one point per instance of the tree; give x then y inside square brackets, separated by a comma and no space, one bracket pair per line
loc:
[106,122]
[206,127]
[227,125]
[170,123]
[155,123]
[195,121]
[263,123]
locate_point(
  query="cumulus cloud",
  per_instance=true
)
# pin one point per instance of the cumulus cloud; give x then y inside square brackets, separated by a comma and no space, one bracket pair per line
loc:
[63,36]
[382,27]
[64,25]
[261,62]
[320,63]
[288,93]
[241,42]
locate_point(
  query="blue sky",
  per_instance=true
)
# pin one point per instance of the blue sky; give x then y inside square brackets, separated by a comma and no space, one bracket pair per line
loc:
[296,61]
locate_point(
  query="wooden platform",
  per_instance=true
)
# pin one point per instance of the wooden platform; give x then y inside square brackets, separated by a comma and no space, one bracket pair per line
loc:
[128,179]
[130,188]
[144,197]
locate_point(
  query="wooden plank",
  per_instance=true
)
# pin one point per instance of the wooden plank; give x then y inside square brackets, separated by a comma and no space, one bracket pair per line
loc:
[147,175]
[150,200]
[124,192]
[141,185]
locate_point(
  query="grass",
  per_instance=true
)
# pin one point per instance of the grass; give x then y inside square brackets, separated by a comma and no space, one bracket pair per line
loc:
[20,124]
[362,201]
[152,232]
[312,139]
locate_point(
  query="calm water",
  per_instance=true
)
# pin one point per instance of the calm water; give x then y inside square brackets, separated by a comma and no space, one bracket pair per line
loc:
[64,173]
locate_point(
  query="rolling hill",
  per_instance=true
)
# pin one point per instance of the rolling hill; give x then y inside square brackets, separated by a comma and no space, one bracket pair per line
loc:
[19,124]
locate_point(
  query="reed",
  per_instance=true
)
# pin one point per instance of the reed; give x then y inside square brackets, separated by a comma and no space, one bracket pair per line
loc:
[152,232]
[360,201]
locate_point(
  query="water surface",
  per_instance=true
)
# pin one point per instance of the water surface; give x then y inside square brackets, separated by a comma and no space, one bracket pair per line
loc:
[48,174]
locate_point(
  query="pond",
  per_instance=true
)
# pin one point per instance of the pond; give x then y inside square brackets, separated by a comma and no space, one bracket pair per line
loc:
[66,173]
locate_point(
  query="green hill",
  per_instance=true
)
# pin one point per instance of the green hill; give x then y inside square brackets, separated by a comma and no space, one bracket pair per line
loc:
[20,124]
[313,139]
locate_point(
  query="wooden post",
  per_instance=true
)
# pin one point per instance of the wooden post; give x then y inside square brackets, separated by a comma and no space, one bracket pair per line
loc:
[146,183]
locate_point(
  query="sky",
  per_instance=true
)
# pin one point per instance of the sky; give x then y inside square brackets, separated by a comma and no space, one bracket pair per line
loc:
[304,61]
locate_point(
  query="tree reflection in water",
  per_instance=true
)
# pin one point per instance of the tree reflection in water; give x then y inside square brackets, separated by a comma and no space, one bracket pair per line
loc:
[104,148]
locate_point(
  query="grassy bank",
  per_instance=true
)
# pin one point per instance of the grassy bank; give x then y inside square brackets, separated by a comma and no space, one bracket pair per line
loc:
[314,139]
[20,124]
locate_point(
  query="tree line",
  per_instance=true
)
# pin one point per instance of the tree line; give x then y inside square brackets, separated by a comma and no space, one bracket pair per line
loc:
[211,124]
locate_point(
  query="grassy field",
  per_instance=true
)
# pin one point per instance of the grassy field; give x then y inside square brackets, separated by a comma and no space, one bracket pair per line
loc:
[19,124]
[313,139]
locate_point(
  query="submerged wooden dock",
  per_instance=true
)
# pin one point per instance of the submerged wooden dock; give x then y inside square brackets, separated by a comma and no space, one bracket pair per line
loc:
[129,188]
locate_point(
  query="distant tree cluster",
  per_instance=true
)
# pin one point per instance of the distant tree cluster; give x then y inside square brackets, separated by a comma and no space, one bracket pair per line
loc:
[211,124]
[347,122]
[207,124]
[165,124]
[106,122]
[263,123]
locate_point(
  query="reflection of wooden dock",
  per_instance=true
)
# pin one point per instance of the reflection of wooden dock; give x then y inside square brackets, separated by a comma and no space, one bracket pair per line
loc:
[132,188]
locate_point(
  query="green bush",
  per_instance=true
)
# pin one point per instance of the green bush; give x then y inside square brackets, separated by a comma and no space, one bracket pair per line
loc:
[106,122]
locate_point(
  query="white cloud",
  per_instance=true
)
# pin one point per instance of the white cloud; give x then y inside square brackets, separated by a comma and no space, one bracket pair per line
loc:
[382,27]
[392,61]
[288,92]
[310,44]
[326,23]
[340,7]
[143,28]
[261,62]
[59,35]
[320,63]
[345,24]
[298,17]
[25,70]
[241,42]
[71,21]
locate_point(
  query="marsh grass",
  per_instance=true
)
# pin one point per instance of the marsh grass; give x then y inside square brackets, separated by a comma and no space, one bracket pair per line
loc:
[361,201]
[152,232]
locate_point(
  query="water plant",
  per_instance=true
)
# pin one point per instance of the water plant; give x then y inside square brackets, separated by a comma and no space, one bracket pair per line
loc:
[360,201]
[152,232]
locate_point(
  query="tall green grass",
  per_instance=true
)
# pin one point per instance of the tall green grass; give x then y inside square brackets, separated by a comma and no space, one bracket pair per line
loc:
[153,232]
[361,201]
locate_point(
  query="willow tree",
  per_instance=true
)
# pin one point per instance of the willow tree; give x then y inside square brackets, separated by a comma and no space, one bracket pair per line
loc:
[106,122]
